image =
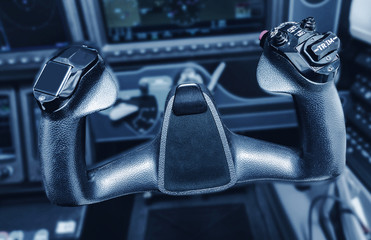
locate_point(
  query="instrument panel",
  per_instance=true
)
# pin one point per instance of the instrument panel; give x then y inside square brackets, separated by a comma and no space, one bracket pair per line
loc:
[146,30]
[11,166]
[144,20]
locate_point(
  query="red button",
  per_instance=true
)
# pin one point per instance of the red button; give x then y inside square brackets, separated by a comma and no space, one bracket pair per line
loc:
[262,34]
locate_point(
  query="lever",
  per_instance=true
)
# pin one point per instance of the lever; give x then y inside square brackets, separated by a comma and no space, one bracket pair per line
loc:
[216,76]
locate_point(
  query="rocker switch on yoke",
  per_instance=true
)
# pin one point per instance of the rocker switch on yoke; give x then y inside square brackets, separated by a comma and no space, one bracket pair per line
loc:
[323,47]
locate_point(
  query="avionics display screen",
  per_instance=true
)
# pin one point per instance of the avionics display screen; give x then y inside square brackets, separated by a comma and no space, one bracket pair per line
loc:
[34,121]
[32,24]
[7,152]
[146,20]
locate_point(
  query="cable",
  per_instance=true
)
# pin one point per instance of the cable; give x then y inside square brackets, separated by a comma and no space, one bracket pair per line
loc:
[336,199]
[365,229]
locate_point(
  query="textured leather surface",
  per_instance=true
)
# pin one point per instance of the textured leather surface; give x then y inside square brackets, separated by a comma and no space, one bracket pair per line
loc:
[195,156]
[68,182]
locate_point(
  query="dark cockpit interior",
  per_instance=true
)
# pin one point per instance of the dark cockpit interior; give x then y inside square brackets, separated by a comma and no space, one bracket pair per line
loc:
[185,119]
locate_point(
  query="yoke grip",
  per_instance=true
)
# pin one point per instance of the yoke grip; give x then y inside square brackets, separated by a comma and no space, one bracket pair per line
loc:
[319,112]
